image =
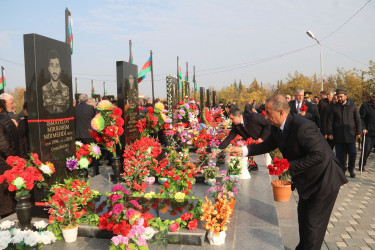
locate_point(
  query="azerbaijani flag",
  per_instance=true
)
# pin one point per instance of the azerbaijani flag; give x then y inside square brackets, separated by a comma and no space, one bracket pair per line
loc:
[195,83]
[3,82]
[70,33]
[179,77]
[145,69]
[92,91]
[186,76]
[131,59]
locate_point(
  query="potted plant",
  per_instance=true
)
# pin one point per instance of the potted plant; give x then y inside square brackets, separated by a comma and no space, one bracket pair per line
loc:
[21,178]
[216,217]
[83,158]
[282,188]
[71,204]
[228,187]
[106,130]
[210,173]
[234,169]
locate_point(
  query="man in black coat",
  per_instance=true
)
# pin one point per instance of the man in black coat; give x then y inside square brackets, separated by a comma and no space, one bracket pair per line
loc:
[83,114]
[313,166]
[344,126]
[323,107]
[311,113]
[367,113]
[247,125]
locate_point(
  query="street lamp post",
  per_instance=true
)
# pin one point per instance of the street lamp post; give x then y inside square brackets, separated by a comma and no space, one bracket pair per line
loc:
[310,34]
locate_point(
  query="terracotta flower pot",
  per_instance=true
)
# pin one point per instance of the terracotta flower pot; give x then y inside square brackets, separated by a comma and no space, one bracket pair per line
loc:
[282,190]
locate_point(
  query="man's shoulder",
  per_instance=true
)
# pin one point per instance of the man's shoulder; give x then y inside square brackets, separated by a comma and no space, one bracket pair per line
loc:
[47,86]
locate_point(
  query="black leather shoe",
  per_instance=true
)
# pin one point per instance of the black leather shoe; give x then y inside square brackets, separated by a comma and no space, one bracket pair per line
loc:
[352,174]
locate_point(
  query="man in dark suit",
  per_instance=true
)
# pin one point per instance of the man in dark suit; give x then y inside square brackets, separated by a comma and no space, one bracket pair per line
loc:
[315,171]
[247,125]
[248,107]
[83,114]
[311,113]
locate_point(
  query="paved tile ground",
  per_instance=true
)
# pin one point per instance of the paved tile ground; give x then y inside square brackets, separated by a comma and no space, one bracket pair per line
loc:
[352,223]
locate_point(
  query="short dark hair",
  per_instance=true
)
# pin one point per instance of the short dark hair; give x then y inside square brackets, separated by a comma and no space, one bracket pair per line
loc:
[52,54]
[316,97]
[24,105]
[323,92]
[235,111]
[341,91]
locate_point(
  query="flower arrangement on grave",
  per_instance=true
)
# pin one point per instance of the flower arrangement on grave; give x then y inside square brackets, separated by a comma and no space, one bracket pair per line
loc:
[124,212]
[217,215]
[234,166]
[228,187]
[14,238]
[107,126]
[280,168]
[210,171]
[25,173]
[186,136]
[140,161]
[186,112]
[179,172]
[151,121]
[213,117]
[72,203]
[83,157]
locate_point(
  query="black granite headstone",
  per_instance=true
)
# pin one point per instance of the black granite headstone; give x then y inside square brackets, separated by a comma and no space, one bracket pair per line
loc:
[50,100]
[214,99]
[96,97]
[208,104]
[127,96]
[109,97]
[201,89]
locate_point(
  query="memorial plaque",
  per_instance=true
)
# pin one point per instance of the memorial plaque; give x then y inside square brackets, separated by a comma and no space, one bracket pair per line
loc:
[127,96]
[214,99]
[201,89]
[208,105]
[50,100]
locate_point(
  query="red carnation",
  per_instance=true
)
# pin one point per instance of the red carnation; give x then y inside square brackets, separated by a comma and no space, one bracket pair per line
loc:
[120,122]
[193,224]
[117,112]
[150,110]
[174,227]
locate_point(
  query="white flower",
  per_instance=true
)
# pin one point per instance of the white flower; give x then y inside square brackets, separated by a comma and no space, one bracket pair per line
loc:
[5,225]
[78,143]
[32,239]
[149,233]
[5,239]
[45,169]
[40,224]
[47,237]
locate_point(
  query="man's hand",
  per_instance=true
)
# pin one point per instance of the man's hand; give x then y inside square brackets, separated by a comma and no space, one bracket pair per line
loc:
[358,136]
[325,136]
[235,151]
[260,140]
[330,137]
[302,113]
[214,154]
[364,132]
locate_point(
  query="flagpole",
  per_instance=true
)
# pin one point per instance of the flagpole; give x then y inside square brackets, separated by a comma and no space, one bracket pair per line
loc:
[187,81]
[67,14]
[194,85]
[104,88]
[178,82]
[76,85]
[152,76]
[130,52]
[92,86]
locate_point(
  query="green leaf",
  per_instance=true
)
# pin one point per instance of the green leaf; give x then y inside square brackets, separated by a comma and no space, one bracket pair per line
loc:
[173,239]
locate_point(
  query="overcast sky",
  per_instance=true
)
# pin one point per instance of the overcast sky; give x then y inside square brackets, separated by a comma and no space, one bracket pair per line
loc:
[225,40]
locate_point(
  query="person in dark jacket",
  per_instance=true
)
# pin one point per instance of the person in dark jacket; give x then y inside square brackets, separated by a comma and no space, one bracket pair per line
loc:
[9,146]
[83,114]
[248,108]
[312,111]
[313,166]
[323,107]
[344,126]
[367,113]
[23,130]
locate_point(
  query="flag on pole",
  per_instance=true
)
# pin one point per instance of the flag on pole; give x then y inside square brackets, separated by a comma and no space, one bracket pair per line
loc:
[179,77]
[131,59]
[145,69]
[186,76]
[70,34]
[2,82]
[195,83]
[92,91]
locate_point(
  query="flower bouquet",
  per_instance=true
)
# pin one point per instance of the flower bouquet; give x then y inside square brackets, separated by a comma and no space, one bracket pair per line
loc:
[151,121]
[107,126]
[210,173]
[83,158]
[186,136]
[234,168]
[71,203]
[282,188]
[216,217]
[186,112]
[228,187]
[25,173]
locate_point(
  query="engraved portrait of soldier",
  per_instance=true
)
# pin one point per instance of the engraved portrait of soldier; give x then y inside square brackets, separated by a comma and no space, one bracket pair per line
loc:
[55,93]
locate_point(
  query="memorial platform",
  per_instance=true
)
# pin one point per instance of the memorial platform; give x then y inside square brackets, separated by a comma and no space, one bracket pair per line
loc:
[254,224]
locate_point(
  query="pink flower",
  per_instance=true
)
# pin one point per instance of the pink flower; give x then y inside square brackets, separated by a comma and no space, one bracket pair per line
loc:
[118,208]
[117,187]
[140,230]
[115,197]
[179,116]
[129,212]
[126,192]
[134,202]
[141,241]
[125,240]
[117,240]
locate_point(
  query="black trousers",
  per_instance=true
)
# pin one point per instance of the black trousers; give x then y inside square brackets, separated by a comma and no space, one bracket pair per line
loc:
[369,144]
[313,218]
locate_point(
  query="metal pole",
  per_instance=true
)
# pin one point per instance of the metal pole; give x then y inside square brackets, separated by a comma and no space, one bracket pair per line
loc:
[104,88]
[130,52]
[76,85]
[195,99]
[152,77]
[92,86]
[67,14]
[2,77]
[178,83]
[321,62]
[363,151]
